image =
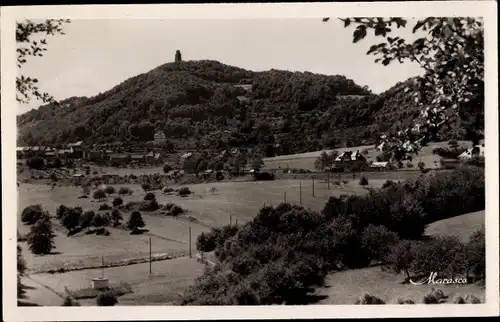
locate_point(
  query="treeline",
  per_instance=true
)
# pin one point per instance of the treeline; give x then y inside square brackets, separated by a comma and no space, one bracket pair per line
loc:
[286,251]
[197,101]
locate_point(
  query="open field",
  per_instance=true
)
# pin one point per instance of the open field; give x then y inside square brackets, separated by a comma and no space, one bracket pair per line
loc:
[168,279]
[306,160]
[347,286]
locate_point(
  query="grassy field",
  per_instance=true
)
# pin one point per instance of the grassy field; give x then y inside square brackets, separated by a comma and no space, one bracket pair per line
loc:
[168,280]
[306,160]
[347,286]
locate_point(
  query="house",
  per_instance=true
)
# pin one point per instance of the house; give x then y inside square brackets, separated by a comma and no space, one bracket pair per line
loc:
[350,159]
[50,154]
[138,158]
[119,158]
[78,150]
[95,155]
[477,151]
[380,165]
[159,138]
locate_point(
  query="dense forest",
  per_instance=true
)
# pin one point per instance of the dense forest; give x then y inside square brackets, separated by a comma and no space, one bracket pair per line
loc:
[207,104]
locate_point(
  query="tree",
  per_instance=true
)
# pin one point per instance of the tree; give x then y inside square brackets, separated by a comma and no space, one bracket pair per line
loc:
[31,214]
[451,53]
[71,219]
[325,160]
[26,33]
[135,221]
[41,236]
[257,163]
[99,221]
[116,216]
[117,202]
[110,190]
[377,241]
[86,219]
[363,181]
[99,194]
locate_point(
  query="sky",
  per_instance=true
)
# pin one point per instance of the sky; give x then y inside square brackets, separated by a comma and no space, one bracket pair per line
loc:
[96,55]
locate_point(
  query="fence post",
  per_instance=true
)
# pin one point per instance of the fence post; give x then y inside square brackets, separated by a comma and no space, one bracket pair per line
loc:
[328,179]
[313,185]
[150,255]
[284,196]
[230,220]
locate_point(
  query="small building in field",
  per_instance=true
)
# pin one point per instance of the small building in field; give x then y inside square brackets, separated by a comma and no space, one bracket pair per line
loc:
[78,150]
[475,152]
[137,158]
[350,160]
[385,165]
[119,158]
[95,155]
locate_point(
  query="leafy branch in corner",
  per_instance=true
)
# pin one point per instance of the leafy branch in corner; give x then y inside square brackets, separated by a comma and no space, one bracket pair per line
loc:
[451,53]
[28,34]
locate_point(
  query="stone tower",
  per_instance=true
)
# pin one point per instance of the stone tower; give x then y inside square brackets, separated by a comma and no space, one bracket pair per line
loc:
[178,56]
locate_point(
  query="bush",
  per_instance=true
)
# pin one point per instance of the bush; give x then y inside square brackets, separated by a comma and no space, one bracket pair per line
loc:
[110,190]
[69,301]
[401,256]
[167,167]
[99,221]
[36,163]
[264,176]
[135,221]
[184,191]
[435,296]
[367,298]
[116,217]
[87,218]
[471,299]
[106,298]
[377,241]
[363,181]
[31,214]
[219,176]
[453,143]
[207,242]
[149,196]
[421,166]
[41,236]
[176,210]
[146,187]
[104,207]
[387,184]
[99,194]
[149,205]
[71,219]
[117,202]
[124,191]
[476,254]
[61,211]
[167,190]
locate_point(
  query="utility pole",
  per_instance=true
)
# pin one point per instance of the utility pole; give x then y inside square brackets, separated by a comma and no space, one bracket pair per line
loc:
[150,271]
[300,192]
[230,220]
[328,179]
[189,241]
[284,196]
[102,266]
[313,186]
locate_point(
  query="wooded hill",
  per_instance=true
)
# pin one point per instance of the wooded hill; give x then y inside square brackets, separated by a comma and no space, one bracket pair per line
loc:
[205,103]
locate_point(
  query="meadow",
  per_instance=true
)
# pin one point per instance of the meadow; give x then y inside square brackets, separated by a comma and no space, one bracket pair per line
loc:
[306,160]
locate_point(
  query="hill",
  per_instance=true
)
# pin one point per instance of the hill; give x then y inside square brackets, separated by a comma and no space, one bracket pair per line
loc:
[207,103]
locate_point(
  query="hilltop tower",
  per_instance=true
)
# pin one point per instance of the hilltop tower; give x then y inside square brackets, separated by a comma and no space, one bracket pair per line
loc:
[178,56]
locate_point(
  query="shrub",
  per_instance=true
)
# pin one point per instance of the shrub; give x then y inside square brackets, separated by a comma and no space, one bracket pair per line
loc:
[149,196]
[87,218]
[124,191]
[41,236]
[61,211]
[167,167]
[146,187]
[453,143]
[71,219]
[106,298]
[368,298]
[471,299]
[476,254]
[435,296]
[69,301]
[99,221]
[176,210]
[110,190]
[458,299]
[168,206]
[116,217]
[387,184]
[31,214]
[363,181]
[104,207]
[219,176]
[99,194]
[264,176]
[167,190]
[447,260]
[135,221]
[207,242]
[117,202]
[36,163]
[421,166]
[184,191]
[57,163]
[149,205]
[377,241]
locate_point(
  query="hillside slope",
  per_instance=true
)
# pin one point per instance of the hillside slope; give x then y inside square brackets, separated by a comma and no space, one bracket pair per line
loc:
[208,103]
